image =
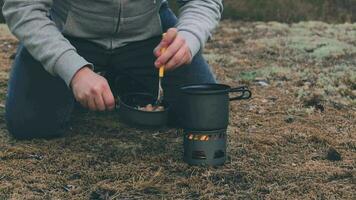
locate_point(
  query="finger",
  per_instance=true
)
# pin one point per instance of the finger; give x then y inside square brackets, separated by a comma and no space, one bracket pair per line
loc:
[169,37]
[170,52]
[188,56]
[185,61]
[99,103]
[109,99]
[181,63]
[157,50]
[177,59]
[91,104]
[84,103]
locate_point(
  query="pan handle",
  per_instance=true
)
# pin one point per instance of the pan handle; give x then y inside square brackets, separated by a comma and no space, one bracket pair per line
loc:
[117,102]
[246,93]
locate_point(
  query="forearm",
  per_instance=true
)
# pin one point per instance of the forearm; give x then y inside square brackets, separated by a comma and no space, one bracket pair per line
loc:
[29,21]
[197,20]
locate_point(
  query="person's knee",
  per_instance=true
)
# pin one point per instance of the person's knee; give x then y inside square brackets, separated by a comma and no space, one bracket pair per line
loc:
[21,127]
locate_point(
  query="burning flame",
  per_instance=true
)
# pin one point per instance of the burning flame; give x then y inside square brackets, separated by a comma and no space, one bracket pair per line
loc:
[198,137]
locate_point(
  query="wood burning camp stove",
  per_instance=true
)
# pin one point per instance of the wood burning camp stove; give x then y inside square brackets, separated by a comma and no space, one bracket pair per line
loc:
[205,117]
[205,147]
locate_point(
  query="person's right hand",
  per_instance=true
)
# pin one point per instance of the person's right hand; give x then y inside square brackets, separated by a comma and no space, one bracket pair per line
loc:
[92,90]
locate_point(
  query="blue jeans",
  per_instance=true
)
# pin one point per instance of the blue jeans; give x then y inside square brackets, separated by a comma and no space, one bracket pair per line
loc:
[40,105]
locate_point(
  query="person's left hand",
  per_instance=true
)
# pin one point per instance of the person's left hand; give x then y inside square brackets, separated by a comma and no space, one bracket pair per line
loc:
[177,51]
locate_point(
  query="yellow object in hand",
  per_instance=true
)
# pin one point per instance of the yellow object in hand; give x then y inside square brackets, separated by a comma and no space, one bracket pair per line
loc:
[161,72]
[161,69]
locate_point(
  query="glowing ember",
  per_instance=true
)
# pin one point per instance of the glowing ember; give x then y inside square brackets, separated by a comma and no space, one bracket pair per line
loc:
[150,108]
[198,137]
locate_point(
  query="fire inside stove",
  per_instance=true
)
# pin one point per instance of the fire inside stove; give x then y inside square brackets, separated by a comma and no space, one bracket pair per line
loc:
[199,137]
[205,147]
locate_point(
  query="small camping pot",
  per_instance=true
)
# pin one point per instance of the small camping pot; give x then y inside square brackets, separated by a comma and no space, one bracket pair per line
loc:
[205,107]
[205,147]
[129,112]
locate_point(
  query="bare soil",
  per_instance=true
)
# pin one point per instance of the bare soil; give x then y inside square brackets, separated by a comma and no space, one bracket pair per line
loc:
[295,139]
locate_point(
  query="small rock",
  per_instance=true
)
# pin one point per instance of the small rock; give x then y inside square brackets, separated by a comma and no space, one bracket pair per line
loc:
[262,83]
[264,100]
[251,108]
[333,155]
[36,156]
[68,188]
[272,98]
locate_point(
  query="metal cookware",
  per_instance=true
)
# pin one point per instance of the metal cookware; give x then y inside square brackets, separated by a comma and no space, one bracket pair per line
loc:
[129,112]
[205,107]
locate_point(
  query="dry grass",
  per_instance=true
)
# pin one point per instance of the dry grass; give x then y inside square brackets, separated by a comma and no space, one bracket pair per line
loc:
[282,142]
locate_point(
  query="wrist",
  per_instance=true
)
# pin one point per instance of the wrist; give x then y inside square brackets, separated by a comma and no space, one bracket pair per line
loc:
[193,42]
[81,72]
[68,64]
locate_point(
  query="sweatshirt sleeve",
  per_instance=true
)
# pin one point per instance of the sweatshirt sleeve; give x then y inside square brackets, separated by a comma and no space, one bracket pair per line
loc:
[197,20]
[29,21]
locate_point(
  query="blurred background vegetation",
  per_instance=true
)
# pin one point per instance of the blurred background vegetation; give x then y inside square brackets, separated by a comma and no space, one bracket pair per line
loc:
[335,11]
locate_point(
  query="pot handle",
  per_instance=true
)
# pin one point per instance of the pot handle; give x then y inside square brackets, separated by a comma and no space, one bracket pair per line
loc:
[246,93]
[117,102]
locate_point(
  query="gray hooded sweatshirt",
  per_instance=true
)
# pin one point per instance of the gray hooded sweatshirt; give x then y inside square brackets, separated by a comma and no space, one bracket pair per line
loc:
[41,25]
